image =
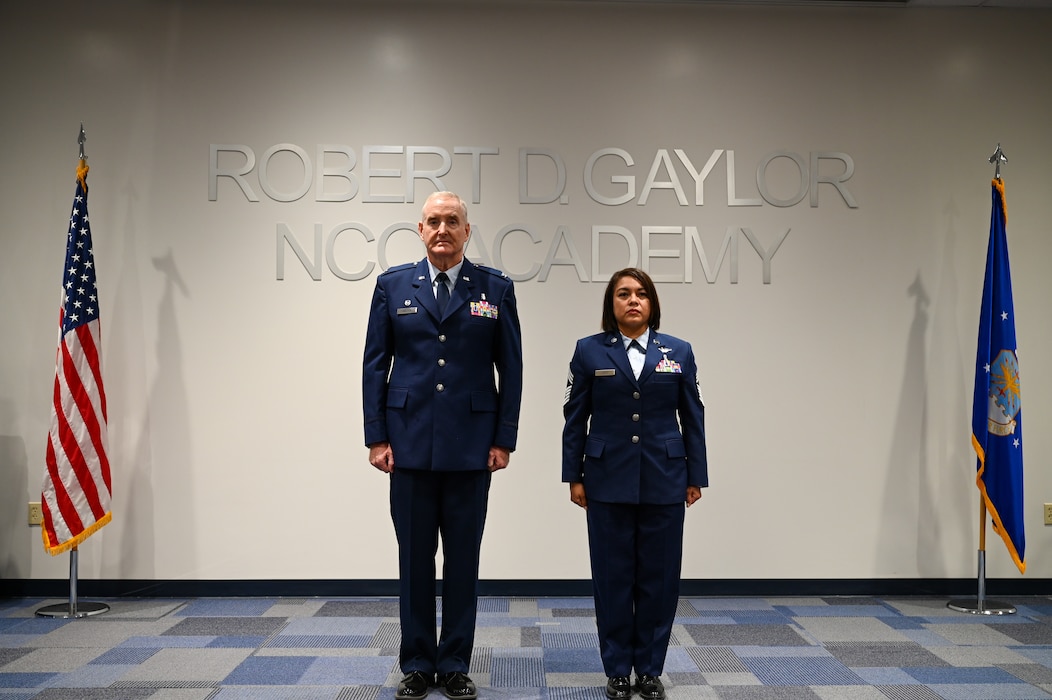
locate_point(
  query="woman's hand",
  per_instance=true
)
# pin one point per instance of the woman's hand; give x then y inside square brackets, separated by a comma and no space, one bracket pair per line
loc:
[693,494]
[577,494]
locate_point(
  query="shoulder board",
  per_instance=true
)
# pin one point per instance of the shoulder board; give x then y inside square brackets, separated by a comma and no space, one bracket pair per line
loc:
[490,270]
[398,268]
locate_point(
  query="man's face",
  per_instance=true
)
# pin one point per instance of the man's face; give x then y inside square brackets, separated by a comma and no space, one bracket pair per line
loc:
[444,231]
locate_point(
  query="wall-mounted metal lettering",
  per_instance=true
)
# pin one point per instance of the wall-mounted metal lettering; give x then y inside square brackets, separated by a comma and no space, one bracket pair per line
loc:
[625,248]
[335,175]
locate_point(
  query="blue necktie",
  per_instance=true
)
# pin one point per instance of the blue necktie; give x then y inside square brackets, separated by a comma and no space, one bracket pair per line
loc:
[638,358]
[442,294]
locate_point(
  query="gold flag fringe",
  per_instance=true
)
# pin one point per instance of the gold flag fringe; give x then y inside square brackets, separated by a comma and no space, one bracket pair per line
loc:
[54,550]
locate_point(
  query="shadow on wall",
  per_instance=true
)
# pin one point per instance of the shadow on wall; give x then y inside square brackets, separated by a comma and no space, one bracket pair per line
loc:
[905,494]
[929,489]
[134,555]
[949,483]
[16,537]
[131,553]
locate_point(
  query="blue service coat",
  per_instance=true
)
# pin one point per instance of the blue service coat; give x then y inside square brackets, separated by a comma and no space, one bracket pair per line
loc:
[629,440]
[428,384]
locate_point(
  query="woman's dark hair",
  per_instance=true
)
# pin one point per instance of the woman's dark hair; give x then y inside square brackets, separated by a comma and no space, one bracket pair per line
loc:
[609,320]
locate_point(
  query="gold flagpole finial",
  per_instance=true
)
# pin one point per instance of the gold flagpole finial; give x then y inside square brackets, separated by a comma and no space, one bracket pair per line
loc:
[82,167]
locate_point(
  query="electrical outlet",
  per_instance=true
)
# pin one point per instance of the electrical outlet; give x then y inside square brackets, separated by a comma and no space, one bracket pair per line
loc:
[36,514]
[1048,514]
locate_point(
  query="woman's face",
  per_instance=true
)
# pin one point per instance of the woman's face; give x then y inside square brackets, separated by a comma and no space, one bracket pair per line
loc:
[631,306]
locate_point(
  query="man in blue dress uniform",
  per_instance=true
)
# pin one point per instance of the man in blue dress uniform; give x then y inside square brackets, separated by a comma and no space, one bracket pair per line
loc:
[437,421]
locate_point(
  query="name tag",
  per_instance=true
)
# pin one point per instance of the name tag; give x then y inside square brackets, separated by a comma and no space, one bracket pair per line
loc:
[605,372]
[407,310]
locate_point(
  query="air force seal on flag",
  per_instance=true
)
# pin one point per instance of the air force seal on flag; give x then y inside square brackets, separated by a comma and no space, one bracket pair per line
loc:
[1004,403]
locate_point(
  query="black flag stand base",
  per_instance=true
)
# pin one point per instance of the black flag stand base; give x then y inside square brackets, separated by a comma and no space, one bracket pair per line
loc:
[74,609]
[981,606]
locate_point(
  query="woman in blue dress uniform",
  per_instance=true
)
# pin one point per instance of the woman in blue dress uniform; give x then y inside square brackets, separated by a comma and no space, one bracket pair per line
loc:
[634,455]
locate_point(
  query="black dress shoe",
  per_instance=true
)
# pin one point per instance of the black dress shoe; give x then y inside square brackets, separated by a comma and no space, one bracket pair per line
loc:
[458,686]
[618,688]
[650,687]
[414,686]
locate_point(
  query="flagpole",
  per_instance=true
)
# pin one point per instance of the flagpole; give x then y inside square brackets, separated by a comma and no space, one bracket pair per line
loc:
[75,608]
[982,606]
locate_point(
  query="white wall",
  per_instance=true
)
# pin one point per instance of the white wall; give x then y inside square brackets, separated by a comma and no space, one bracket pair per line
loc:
[838,394]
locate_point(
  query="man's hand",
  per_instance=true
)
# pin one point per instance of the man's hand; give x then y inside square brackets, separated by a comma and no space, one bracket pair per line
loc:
[381,456]
[498,458]
[693,494]
[577,494]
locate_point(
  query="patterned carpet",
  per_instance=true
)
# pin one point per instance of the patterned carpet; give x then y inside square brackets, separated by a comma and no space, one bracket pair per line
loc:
[345,649]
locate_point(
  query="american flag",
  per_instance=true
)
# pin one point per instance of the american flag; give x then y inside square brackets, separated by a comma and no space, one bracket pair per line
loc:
[76,495]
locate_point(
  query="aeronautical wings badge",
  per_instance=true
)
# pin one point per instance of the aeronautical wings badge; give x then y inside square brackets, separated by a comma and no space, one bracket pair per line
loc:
[1003,406]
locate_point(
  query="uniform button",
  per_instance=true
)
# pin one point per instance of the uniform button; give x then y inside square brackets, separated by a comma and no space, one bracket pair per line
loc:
[442,338]
[635,438]
[440,387]
[635,417]
[441,363]
[635,394]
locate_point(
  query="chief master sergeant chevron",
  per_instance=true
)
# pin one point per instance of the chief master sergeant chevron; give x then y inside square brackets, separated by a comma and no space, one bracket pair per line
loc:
[439,424]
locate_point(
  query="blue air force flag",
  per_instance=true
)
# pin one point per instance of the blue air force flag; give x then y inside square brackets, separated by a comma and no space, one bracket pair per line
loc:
[997,419]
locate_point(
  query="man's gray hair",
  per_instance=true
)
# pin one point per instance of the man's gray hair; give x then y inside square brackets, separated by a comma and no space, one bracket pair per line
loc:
[445,195]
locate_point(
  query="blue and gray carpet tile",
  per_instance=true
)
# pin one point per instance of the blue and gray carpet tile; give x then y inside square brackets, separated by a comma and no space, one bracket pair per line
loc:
[346,649]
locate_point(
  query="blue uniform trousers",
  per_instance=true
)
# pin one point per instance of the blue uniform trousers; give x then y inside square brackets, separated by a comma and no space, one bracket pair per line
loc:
[425,505]
[636,553]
